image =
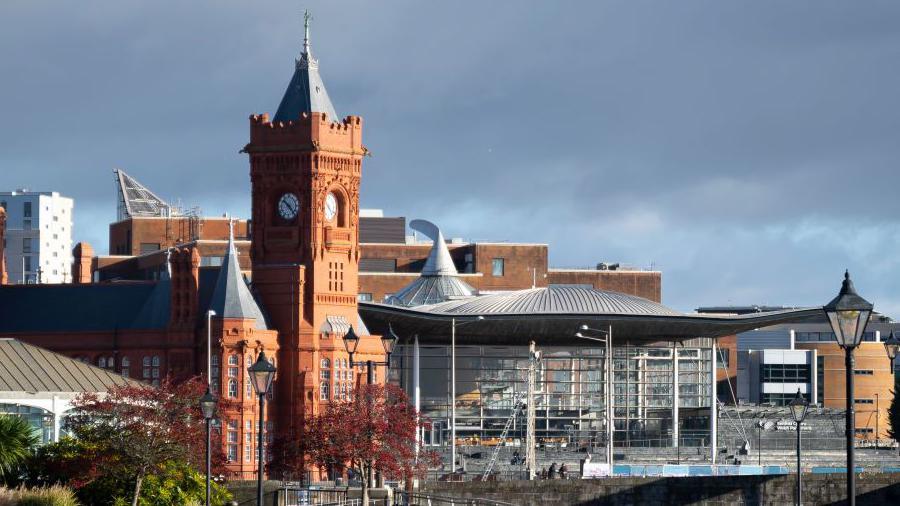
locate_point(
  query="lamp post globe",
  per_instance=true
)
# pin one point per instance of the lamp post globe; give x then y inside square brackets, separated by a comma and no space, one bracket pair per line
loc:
[208,405]
[388,341]
[799,407]
[848,314]
[351,342]
[261,374]
[892,346]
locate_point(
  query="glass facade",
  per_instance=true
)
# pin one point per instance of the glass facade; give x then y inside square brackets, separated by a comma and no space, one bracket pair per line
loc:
[491,385]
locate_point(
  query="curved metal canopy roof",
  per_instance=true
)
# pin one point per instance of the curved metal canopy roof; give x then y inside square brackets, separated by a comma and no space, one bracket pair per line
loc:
[553,315]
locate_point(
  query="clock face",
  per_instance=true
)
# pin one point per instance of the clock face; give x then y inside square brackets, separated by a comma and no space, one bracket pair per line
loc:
[330,206]
[288,206]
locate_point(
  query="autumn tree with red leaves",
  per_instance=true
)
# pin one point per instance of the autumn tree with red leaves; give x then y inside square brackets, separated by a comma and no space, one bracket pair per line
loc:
[374,430]
[135,429]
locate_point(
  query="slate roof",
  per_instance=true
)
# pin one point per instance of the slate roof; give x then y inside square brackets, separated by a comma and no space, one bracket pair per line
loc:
[28,368]
[79,308]
[306,91]
[231,297]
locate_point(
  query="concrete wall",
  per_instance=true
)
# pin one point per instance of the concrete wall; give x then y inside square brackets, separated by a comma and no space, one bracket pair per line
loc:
[727,490]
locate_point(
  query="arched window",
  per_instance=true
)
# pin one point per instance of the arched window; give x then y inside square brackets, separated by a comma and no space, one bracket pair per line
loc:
[101,362]
[232,389]
[111,362]
[326,364]
[155,360]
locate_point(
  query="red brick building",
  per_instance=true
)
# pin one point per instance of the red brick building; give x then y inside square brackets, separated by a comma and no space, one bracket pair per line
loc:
[149,319]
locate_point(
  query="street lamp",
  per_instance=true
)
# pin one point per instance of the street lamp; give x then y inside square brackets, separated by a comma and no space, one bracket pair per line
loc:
[849,314]
[261,374]
[892,346]
[351,343]
[453,326]
[208,409]
[607,341]
[799,406]
[388,341]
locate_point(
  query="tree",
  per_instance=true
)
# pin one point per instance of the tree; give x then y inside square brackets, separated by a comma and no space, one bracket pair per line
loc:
[894,411]
[374,430]
[135,430]
[17,439]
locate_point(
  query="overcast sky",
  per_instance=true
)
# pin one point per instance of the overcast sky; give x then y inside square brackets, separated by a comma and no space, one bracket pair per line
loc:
[748,150]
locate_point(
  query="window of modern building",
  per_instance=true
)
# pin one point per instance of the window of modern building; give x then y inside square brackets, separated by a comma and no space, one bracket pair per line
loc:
[497,266]
[863,372]
[785,373]
[26,245]
[864,430]
[27,263]
[825,337]
[724,357]
[26,224]
[364,297]
[864,401]
[778,399]
[26,209]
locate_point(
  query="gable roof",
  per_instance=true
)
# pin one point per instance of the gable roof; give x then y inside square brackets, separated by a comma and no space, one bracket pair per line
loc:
[28,368]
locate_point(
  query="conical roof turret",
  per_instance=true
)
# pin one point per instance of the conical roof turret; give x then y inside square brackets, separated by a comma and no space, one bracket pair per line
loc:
[231,297]
[306,91]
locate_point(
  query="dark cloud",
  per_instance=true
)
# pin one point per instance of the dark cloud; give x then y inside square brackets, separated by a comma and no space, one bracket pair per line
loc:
[747,149]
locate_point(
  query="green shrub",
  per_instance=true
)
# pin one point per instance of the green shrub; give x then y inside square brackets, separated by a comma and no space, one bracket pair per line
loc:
[43,496]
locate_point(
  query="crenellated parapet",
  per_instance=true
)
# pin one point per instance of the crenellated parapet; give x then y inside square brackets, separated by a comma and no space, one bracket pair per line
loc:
[311,130]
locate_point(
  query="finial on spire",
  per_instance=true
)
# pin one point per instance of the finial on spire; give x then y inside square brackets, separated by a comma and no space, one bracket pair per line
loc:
[231,230]
[306,19]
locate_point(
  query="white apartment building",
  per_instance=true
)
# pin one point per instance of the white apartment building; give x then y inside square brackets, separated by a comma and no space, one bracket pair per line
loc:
[38,236]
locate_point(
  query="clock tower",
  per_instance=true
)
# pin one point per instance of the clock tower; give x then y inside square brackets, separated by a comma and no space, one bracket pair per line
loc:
[305,169]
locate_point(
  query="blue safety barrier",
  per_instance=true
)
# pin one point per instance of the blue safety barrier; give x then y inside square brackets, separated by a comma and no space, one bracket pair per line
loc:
[695,470]
[830,470]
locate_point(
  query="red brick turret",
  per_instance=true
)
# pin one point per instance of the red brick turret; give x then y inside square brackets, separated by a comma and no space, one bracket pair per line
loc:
[82,263]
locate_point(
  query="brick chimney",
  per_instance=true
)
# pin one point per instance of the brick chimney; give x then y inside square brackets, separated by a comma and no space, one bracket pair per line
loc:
[82,263]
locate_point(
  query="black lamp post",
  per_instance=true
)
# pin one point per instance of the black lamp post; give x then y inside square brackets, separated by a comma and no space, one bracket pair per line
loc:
[849,314]
[892,346]
[351,343]
[261,374]
[799,407]
[208,409]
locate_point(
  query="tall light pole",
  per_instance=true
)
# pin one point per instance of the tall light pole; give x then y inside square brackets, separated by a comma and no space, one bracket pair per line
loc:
[799,407]
[609,386]
[453,326]
[261,374]
[849,314]
[208,401]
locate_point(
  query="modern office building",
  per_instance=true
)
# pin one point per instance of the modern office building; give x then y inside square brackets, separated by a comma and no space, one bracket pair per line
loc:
[775,361]
[38,241]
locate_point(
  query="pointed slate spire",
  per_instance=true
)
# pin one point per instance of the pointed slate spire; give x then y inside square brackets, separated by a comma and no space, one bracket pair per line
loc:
[231,297]
[306,91]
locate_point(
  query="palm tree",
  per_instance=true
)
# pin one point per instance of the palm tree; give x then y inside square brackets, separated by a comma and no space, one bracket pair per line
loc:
[17,438]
